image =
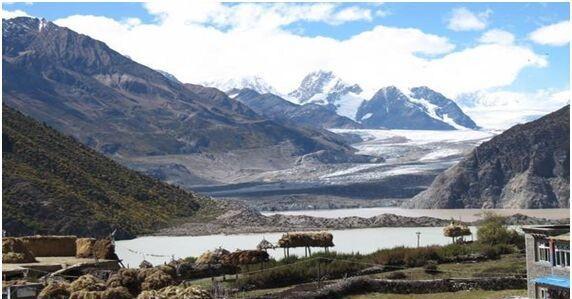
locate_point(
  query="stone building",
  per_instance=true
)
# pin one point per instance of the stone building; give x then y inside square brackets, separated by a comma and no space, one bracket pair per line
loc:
[548,261]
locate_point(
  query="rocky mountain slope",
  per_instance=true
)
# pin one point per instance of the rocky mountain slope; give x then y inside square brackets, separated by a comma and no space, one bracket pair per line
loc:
[83,88]
[326,89]
[527,166]
[51,184]
[419,108]
[278,109]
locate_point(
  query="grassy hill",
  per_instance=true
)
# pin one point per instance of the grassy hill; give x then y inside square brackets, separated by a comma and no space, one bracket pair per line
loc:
[52,184]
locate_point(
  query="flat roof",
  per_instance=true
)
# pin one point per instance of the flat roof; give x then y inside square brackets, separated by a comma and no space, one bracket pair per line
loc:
[548,230]
[561,282]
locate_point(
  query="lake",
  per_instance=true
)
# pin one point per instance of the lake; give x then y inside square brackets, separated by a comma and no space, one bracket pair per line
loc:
[159,249]
[458,214]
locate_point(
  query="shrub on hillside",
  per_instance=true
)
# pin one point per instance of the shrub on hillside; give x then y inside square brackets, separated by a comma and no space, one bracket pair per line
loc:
[397,275]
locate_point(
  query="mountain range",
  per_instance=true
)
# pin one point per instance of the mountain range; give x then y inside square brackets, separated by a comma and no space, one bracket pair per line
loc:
[527,166]
[278,109]
[83,88]
[417,108]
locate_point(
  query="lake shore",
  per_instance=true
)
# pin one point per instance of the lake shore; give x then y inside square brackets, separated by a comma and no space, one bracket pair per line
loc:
[241,220]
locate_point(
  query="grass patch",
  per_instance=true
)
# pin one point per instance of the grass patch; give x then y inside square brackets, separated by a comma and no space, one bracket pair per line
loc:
[475,294]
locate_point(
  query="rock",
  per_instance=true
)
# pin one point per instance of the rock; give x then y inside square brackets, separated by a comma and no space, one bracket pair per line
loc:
[527,166]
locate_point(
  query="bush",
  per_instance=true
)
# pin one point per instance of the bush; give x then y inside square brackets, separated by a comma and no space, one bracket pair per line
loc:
[341,265]
[491,252]
[494,231]
[403,256]
[431,268]
[397,275]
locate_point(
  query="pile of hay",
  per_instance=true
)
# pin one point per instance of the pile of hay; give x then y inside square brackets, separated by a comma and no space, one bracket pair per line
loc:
[127,278]
[212,257]
[306,239]
[456,229]
[111,293]
[156,280]
[245,257]
[14,250]
[86,282]
[172,292]
[104,249]
[51,245]
[55,290]
[84,247]
[137,280]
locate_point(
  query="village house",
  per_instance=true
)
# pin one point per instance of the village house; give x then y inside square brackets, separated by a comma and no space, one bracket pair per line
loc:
[548,261]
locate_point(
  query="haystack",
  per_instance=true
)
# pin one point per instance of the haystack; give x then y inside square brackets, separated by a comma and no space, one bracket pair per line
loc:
[212,257]
[245,257]
[51,245]
[55,290]
[156,280]
[14,250]
[172,292]
[87,282]
[127,278]
[306,239]
[104,249]
[84,247]
[111,293]
[456,229]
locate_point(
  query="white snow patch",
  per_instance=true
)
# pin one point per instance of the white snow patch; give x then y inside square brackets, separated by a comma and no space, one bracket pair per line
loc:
[440,154]
[366,116]
[351,170]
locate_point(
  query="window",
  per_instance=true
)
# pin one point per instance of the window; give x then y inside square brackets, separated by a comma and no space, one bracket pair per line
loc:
[543,293]
[562,254]
[543,252]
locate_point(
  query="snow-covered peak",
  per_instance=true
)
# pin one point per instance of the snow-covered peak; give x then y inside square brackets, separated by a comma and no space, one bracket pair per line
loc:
[322,82]
[325,88]
[412,108]
[251,82]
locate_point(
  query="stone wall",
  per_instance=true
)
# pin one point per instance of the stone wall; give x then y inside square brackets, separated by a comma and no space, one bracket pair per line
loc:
[359,285]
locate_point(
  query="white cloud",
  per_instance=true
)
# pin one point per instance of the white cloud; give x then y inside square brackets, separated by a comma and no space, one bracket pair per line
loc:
[462,19]
[553,35]
[9,14]
[500,109]
[497,36]
[215,42]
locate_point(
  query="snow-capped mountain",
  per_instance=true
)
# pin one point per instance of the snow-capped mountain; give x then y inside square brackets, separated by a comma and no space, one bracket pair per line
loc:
[418,108]
[325,88]
[233,85]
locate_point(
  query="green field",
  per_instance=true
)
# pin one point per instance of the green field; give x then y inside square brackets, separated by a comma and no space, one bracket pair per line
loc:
[476,294]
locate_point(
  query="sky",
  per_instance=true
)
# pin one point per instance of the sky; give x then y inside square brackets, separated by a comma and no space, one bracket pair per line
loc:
[504,63]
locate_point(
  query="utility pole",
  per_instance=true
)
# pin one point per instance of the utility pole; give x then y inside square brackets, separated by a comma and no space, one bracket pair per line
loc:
[418,236]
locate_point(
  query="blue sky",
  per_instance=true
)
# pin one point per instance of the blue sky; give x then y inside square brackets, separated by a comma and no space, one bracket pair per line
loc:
[518,18]
[457,48]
